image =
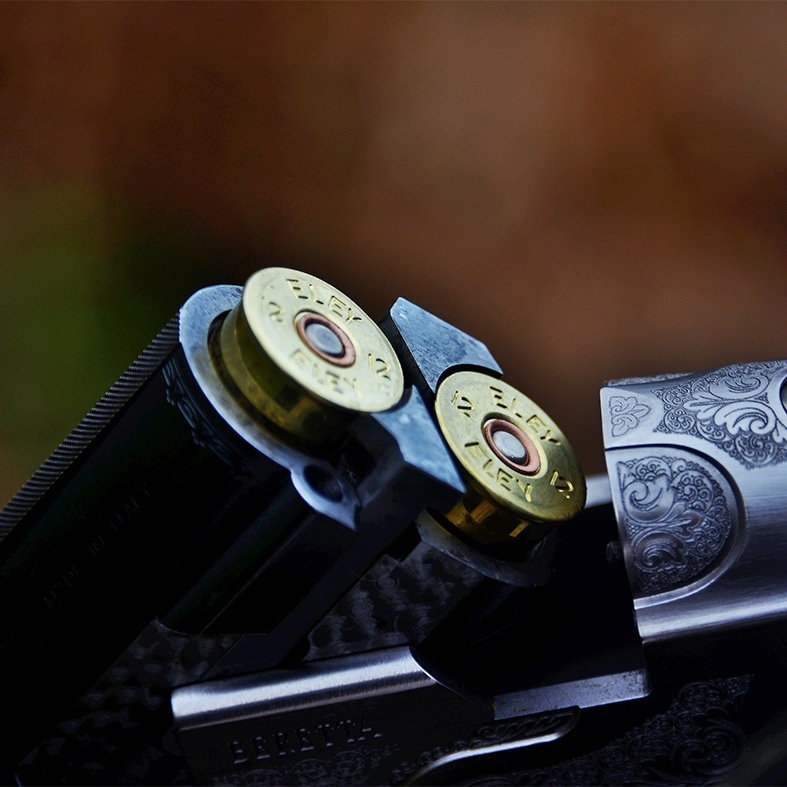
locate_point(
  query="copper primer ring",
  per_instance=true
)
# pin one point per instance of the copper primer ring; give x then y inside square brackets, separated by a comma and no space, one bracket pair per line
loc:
[530,463]
[344,354]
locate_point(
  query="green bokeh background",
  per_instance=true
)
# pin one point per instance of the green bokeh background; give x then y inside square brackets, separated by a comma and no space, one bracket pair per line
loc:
[81,295]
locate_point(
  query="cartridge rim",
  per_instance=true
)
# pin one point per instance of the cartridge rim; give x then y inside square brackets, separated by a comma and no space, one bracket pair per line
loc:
[305,355]
[517,490]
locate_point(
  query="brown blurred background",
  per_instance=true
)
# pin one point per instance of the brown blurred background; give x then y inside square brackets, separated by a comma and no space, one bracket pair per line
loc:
[594,190]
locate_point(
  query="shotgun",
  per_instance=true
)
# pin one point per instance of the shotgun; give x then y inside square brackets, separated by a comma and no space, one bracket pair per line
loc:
[293,546]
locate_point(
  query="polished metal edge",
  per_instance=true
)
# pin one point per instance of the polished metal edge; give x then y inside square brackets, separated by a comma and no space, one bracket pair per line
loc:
[311,685]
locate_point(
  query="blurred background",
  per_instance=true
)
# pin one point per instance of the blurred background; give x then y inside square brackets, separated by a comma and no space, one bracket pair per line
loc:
[594,190]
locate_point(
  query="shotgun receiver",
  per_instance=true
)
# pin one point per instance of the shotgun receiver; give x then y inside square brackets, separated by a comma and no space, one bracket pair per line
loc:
[291,546]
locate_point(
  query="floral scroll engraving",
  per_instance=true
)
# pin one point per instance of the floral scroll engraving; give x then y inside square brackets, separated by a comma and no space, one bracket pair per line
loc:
[677,519]
[739,408]
[625,413]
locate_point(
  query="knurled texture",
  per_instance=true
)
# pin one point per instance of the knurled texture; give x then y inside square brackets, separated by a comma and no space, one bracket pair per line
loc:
[396,602]
[119,731]
[91,425]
